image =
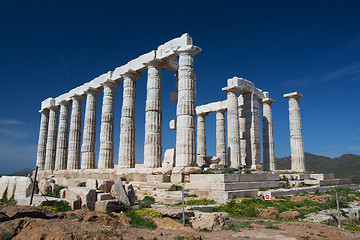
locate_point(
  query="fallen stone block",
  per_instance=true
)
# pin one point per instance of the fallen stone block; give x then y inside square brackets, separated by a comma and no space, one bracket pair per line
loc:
[211,221]
[23,188]
[11,187]
[105,185]
[91,183]
[44,186]
[172,212]
[4,182]
[112,205]
[118,192]
[103,196]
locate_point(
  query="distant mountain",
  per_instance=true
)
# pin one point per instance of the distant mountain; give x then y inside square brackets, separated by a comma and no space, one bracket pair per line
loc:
[22,172]
[345,166]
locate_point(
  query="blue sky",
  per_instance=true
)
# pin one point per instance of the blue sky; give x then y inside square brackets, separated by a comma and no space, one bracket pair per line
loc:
[313,47]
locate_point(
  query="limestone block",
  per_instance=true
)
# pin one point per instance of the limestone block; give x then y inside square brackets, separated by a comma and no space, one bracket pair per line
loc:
[47,103]
[211,221]
[130,191]
[177,178]
[172,212]
[212,107]
[172,124]
[87,196]
[138,64]
[44,186]
[217,167]
[105,185]
[103,196]
[323,176]
[354,214]
[169,158]
[23,188]
[174,97]
[4,182]
[118,192]
[168,186]
[155,178]
[108,206]
[212,159]
[11,187]
[65,194]
[91,183]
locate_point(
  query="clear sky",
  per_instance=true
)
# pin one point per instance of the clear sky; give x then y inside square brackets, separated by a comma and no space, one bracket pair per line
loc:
[313,47]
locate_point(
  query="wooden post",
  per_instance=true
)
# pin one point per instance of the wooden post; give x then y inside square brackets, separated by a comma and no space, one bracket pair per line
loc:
[33,188]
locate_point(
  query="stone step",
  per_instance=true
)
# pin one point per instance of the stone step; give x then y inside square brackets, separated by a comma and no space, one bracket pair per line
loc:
[222,196]
[228,178]
[328,182]
[220,186]
[154,185]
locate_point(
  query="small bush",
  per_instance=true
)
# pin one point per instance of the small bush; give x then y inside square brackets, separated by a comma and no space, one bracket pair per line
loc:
[61,206]
[237,226]
[179,237]
[146,202]
[148,213]
[202,201]
[137,221]
[10,201]
[123,179]
[263,189]
[56,192]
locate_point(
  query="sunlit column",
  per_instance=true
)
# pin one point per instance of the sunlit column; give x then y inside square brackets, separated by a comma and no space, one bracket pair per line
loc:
[41,153]
[62,136]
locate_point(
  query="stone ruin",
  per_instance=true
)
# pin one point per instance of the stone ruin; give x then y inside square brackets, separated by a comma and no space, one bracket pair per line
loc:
[62,160]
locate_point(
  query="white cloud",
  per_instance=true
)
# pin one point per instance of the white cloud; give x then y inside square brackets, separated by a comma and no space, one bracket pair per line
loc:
[11,122]
[349,72]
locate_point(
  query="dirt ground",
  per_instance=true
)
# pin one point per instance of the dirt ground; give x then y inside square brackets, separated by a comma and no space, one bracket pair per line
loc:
[33,223]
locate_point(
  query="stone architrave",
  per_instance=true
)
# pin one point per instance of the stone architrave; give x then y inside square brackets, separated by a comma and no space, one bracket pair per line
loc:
[296,139]
[268,136]
[106,153]
[185,110]
[253,148]
[220,136]
[127,126]
[41,152]
[75,133]
[242,124]
[62,137]
[153,117]
[51,138]
[201,139]
[89,132]
[234,157]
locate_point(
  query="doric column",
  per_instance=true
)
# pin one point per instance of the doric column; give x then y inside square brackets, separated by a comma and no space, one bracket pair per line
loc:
[41,153]
[268,136]
[253,149]
[51,138]
[201,139]
[296,139]
[153,117]
[62,136]
[242,123]
[127,125]
[185,110]
[220,136]
[234,156]
[89,132]
[75,133]
[106,153]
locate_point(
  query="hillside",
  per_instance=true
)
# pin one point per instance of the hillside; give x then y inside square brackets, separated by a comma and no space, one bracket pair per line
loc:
[22,172]
[345,166]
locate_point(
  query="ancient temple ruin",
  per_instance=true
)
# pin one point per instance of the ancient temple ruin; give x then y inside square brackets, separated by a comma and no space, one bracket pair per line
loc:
[61,155]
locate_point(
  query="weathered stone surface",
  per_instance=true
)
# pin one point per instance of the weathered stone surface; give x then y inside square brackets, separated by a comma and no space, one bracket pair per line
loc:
[118,192]
[11,187]
[4,182]
[220,136]
[103,196]
[172,212]
[211,221]
[290,214]
[41,151]
[105,185]
[130,191]
[91,183]
[51,138]
[111,205]
[268,136]
[172,124]
[87,196]
[354,214]
[44,186]
[169,158]
[23,188]
[62,137]
[212,159]
[201,139]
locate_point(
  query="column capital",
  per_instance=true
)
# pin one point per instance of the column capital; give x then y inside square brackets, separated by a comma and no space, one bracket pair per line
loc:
[93,91]
[54,107]
[188,50]
[293,95]
[108,84]
[202,114]
[132,74]
[78,98]
[65,103]
[221,111]
[45,111]
[268,101]
[156,63]
[232,89]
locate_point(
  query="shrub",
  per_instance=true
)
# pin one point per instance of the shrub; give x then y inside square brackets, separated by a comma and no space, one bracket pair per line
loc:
[146,202]
[145,212]
[352,226]
[61,206]
[137,221]
[202,201]
[263,189]
[123,179]
[56,192]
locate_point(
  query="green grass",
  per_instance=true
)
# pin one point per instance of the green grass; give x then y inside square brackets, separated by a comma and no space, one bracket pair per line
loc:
[228,171]
[202,201]
[137,221]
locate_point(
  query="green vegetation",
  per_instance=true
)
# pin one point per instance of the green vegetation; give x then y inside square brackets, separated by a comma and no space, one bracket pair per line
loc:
[61,206]
[179,237]
[352,226]
[10,201]
[263,189]
[56,192]
[146,212]
[123,179]
[248,171]
[167,180]
[249,207]
[196,202]
[137,221]
[228,171]
[237,226]
[146,202]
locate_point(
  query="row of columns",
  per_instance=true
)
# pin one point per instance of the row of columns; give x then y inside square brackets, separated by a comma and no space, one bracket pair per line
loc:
[244,133]
[59,148]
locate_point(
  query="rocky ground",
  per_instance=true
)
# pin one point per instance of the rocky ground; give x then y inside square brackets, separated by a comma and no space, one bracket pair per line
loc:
[32,223]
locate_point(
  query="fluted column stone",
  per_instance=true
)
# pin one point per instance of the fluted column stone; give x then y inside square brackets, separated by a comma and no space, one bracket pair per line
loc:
[220,137]
[62,136]
[253,148]
[242,123]
[268,136]
[41,152]
[89,132]
[127,125]
[106,152]
[201,139]
[75,133]
[185,110]
[234,156]
[153,117]
[51,138]
[296,139]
